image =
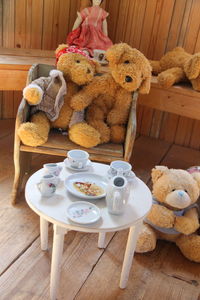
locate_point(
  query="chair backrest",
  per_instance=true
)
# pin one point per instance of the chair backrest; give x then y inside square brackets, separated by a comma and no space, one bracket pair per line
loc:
[38,70]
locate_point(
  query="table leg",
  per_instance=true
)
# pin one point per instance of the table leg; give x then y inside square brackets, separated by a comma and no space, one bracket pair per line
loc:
[128,257]
[44,227]
[101,240]
[58,241]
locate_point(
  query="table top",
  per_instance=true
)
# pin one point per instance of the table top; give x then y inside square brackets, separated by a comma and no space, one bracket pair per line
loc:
[54,209]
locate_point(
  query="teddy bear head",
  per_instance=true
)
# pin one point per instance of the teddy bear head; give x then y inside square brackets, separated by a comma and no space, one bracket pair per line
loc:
[75,65]
[175,188]
[129,68]
[192,70]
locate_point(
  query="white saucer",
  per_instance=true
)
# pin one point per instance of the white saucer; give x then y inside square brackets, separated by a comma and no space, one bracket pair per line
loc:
[83,212]
[67,164]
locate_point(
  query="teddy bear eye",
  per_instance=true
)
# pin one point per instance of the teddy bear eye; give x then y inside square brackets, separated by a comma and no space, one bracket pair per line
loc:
[78,61]
[126,62]
[173,190]
[186,191]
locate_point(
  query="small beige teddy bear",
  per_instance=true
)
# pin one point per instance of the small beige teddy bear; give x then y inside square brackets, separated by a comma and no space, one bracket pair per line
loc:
[174,214]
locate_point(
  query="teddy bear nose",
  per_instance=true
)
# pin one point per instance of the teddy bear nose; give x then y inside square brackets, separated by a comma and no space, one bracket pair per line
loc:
[128,79]
[180,193]
[88,71]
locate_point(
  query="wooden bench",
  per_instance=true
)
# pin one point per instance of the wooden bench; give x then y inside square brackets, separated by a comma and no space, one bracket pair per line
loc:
[15,63]
[178,99]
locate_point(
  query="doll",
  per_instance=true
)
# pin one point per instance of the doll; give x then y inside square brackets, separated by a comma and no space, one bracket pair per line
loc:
[90,29]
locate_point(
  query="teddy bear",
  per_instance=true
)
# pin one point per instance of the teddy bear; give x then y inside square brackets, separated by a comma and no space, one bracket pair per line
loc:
[178,66]
[49,99]
[174,215]
[108,97]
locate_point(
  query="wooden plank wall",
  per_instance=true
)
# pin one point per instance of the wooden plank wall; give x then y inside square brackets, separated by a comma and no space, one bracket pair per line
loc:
[152,26]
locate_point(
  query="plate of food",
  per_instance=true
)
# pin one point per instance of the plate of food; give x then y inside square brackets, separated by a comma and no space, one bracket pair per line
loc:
[86,185]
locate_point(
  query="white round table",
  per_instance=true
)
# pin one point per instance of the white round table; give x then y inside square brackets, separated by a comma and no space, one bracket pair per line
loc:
[54,209]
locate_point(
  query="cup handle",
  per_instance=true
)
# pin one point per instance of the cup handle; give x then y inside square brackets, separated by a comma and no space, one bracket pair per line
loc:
[120,172]
[39,185]
[80,165]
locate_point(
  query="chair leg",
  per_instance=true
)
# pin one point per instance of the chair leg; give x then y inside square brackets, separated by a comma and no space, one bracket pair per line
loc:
[22,163]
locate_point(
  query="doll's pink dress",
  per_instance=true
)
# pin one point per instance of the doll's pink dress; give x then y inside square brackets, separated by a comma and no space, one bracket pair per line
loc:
[89,35]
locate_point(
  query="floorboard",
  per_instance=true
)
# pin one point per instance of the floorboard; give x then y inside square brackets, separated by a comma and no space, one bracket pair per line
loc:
[88,272]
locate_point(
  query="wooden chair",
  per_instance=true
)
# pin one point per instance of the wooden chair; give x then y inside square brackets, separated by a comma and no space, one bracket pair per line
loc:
[59,144]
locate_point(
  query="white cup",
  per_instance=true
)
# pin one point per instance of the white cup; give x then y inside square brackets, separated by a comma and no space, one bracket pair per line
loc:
[52,168]
[47,185]
[77,158]
[120,167]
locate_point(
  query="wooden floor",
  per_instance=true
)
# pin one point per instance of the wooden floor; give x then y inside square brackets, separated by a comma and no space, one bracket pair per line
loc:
[87,272]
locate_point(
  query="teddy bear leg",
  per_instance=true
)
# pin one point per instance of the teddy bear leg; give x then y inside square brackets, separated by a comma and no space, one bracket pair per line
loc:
[146,240]
[190,246]
[103,129]
[118,133]
[95,117]
[35,132]
[84,135]
[171,76]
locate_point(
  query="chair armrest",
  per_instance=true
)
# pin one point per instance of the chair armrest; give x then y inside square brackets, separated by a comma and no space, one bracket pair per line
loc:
[22,113]
[131,129]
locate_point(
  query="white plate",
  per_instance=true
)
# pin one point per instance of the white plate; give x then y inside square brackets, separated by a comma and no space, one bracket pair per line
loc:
[83,212]
[86,177]
[67,164]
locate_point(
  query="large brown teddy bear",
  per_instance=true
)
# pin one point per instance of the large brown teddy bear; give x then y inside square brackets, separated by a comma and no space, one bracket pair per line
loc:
[176,66]
[108,97]
[50,97]
[174,214]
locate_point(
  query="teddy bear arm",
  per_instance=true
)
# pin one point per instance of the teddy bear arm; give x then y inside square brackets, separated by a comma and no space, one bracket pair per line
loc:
[33,92]
[156,67]
[119,114]
[94,89]
[188,223]
[161,216]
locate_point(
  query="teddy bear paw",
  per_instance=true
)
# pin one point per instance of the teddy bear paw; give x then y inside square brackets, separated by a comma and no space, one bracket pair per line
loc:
[84,135]
[166,80]
[146,240]
[30,135]
[33,94]
[190,246]
[118,134]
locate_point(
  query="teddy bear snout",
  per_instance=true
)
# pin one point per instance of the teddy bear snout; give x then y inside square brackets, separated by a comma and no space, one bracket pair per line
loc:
[178,199]
[128,79]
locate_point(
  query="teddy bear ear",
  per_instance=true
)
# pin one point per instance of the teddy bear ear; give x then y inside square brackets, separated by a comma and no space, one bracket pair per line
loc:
[61,47]
[145,85]
[157,172]
[196,176]
[192,66]
[146,72]
[115,52]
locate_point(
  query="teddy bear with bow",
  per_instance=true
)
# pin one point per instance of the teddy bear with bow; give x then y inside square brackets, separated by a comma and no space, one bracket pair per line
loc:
[174,215]
[49,99]
[108,97]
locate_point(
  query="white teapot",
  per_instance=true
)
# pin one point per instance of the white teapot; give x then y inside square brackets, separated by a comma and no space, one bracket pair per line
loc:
[117,195]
